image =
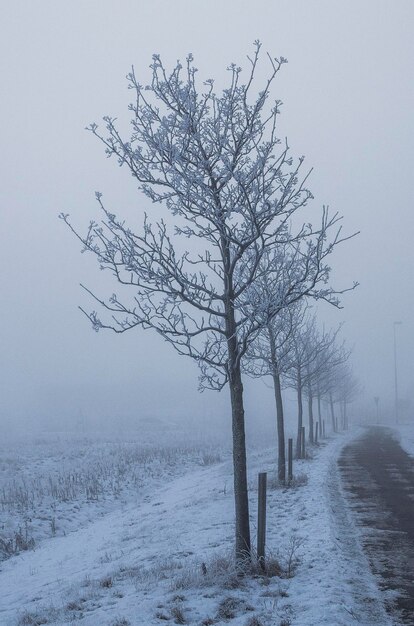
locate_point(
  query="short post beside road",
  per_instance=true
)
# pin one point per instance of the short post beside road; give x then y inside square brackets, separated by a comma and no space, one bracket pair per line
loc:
[316,432]
[261,519]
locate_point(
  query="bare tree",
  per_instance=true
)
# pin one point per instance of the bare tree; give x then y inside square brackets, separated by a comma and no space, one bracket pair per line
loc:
[215,162]
[270,355]
[323,356]
[326,375]
[297,370]
[328,380]
[311,352]
[346,389]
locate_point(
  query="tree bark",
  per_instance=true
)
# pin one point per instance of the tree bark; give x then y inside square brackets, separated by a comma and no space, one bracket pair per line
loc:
[332,412]
[310,412]
[281,457]
[241,499]
[319,411]
[300,417]
[341,409]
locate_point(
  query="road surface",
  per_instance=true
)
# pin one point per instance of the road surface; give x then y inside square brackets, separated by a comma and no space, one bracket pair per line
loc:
[378,480]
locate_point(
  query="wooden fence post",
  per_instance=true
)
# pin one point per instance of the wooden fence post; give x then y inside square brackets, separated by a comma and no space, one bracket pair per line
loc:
[303,443]
[261,519]
[290,460]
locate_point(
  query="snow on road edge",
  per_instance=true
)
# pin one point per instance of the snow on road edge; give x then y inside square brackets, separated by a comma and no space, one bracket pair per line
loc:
[334,585]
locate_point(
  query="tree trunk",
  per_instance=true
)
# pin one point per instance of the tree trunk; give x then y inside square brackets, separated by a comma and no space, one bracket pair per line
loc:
[241,499]
[319,411]
[332,412]
[281,457]
[310,412]
[300,418]
[341,411]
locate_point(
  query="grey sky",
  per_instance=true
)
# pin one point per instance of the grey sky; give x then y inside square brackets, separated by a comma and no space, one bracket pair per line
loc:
[348,106]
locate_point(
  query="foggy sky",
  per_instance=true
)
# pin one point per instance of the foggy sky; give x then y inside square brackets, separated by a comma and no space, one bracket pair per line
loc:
[348,107]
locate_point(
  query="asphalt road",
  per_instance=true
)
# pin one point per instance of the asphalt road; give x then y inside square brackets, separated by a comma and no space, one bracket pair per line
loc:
[378,480]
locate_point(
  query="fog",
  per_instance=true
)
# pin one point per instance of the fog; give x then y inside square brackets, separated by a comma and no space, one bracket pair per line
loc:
[348,100]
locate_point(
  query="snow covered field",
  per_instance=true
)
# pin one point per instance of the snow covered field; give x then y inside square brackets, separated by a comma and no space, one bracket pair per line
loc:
[164,556]
[57,484]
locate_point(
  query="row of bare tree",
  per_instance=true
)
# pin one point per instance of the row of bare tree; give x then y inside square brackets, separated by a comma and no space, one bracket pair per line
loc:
[223,274]
[298,356]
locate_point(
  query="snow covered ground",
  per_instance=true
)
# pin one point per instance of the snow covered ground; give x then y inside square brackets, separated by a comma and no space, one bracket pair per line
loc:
[165,557]
[405,436]
[56,484]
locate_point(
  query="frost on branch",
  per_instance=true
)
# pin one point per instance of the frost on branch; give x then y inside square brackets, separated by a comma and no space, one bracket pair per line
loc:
[216,163]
